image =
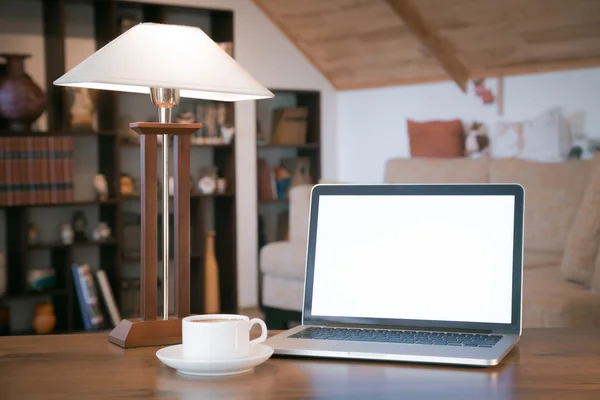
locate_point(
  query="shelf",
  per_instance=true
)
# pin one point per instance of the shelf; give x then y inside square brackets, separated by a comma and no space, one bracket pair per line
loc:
[128,143]
[307,146]
[66,132]
[59,245]
[281,201]
[68,204]
[193,196]
[138,258]
[33,294]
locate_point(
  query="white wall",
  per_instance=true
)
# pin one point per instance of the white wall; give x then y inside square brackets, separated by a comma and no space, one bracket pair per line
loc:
[372,122]
[261,49]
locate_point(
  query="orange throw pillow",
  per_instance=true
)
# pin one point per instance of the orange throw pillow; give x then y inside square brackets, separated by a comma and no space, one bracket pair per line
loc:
[440,139]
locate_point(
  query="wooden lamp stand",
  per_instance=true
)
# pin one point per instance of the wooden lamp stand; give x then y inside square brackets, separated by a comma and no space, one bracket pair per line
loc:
[148,330]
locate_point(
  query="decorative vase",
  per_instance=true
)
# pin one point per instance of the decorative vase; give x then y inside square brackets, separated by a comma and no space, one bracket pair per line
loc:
[211,276]
[21,100]
[44,319]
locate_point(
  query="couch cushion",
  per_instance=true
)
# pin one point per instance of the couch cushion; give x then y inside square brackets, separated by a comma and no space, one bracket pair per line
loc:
[553,195]
[299,211]
[438,139]
[431,170]
[286,294]
[551,302]
[284,260]
[540,259]
[583,239]
[595,286]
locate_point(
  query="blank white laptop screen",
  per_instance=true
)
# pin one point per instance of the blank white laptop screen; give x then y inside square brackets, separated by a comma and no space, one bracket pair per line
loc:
[442,258]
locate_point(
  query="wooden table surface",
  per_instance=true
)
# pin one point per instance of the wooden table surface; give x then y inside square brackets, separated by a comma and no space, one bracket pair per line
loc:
[547,364]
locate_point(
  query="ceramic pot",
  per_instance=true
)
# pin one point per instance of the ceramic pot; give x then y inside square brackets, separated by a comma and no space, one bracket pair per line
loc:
[211,276]
[44,320]
[21,100]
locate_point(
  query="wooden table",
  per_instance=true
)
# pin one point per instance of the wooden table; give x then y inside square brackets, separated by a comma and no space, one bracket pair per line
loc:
[547,364]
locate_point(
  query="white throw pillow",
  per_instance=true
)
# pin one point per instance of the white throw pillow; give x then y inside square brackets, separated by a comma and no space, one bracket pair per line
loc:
[546,138]
[506,140]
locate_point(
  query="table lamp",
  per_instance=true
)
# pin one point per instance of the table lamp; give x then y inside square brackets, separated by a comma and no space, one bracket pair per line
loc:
[168,62]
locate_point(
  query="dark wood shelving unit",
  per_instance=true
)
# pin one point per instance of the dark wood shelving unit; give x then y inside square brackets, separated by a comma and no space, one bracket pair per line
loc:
[32,294]
[217,211]
[282,201]
[307,146]
[128,143]
[273,153]
[75,203]
[58,132]
[87,243]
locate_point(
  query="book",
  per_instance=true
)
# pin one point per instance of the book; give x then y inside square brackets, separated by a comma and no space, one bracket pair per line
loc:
[88,297]
[52,170]
[31,183]
[109,300]
[265,181]
[3,168]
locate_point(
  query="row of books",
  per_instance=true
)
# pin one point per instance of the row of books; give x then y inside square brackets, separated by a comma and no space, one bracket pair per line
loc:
[89,300]
[36,170]
[97,304]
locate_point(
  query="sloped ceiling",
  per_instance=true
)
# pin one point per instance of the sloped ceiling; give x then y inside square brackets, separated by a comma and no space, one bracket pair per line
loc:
[373,43]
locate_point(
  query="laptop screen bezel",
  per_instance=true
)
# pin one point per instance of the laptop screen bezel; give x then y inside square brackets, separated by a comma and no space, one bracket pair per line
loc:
[514,327]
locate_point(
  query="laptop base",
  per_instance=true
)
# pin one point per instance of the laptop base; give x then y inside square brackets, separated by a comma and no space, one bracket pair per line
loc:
[414,353]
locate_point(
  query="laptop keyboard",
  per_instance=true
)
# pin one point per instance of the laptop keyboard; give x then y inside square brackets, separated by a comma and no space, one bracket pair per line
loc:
[397,336]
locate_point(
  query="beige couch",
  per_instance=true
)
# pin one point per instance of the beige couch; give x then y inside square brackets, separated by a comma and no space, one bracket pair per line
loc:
[559,198]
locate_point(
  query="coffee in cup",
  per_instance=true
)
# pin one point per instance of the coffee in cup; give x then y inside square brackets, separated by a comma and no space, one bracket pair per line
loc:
[219,336]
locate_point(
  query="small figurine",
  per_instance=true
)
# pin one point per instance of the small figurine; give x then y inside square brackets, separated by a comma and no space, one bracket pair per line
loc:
[66,233]
[102,232]
[171,186]
[82,111]
[33,234]
[186,118]
[208,180]
[127,185]
[101,187]
[221,185]
[227,134]
[79,223]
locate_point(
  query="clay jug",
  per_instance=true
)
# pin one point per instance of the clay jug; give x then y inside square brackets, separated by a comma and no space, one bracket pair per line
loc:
[21,100]
[44,319]
[211,276]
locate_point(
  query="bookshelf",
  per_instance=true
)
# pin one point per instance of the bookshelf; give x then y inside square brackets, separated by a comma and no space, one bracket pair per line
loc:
[107,151]
[272,211]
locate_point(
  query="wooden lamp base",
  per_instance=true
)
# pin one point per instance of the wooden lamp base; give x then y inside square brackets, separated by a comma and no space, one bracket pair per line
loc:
[149,330]
[139,333]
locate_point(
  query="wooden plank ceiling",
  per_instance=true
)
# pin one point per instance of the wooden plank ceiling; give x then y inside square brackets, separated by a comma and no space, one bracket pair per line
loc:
[374,43]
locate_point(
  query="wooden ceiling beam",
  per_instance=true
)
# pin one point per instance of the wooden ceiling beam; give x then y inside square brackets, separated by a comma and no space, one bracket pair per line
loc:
[533,68]
[431,40]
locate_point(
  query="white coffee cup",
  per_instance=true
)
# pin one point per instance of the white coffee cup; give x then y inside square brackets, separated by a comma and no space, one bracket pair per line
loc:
[219,336]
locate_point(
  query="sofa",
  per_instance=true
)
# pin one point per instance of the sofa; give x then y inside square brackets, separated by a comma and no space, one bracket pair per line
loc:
[561,266]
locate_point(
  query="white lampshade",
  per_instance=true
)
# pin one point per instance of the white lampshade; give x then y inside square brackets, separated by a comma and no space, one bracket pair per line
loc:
[166,56]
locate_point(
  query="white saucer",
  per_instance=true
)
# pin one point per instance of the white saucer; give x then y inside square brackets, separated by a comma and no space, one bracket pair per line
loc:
[172,356]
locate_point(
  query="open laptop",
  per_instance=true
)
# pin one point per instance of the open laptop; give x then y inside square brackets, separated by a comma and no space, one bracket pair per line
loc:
[415,273]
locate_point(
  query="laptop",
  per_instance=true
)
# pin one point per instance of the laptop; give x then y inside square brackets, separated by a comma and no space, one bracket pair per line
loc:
[411,273]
